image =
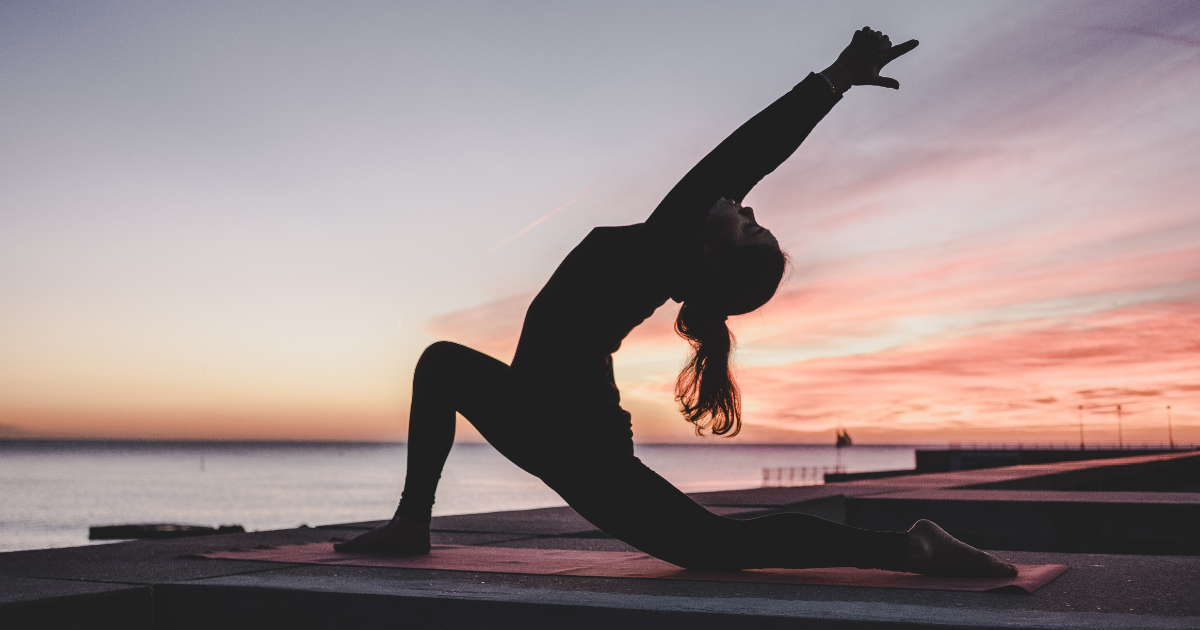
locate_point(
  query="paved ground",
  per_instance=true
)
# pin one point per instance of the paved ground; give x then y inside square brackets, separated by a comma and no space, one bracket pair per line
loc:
[149,584]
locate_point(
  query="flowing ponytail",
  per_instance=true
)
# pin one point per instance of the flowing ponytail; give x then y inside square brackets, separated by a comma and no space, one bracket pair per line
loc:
[705,389]
[745,279]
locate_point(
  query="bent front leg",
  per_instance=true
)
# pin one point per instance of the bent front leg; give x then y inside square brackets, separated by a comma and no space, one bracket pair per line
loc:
[431,422]
[450,379]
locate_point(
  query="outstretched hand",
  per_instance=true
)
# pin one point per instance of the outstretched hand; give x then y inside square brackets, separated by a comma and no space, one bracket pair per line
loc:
[859,64]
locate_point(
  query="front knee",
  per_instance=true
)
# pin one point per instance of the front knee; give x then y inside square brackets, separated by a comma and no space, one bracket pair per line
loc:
[438,357]
[439,349]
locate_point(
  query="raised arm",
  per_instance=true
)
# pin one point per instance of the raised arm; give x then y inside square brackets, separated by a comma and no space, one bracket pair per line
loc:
[764,142]
[757,147]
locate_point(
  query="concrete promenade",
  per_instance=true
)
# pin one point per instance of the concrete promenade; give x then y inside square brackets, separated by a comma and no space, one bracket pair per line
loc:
[1134,556]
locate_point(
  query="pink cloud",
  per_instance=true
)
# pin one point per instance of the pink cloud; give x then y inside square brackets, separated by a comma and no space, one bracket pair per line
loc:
[1142,357]
[492,327]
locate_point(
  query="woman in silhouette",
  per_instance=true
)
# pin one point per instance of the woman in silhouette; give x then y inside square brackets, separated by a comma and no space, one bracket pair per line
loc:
[556,413]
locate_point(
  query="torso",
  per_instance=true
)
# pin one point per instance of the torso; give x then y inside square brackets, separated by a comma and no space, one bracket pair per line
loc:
[611,282]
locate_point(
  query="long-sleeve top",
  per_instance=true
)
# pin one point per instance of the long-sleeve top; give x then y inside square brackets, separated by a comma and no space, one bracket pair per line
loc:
[618,276]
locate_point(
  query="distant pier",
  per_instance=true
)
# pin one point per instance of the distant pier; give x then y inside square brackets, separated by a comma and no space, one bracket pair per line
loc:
[975,457]
[957,457]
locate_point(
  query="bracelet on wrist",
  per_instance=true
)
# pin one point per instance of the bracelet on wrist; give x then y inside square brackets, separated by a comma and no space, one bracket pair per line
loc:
[832,87]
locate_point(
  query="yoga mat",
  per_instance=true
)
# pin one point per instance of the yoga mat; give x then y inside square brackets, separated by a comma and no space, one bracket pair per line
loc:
[620,564]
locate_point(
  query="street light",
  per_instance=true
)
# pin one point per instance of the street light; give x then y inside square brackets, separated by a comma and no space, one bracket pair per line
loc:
[1170,434]
[1081,426]
[1120,440]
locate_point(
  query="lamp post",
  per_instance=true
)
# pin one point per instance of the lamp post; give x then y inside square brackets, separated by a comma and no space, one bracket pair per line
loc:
[1081,426]
[1170,434]
[1120,440]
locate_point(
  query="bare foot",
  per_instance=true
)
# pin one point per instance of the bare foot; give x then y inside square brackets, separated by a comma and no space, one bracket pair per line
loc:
[401,536]
[934,552]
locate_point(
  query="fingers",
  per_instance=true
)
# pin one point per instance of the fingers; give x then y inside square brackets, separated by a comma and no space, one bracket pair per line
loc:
[886,82]
[867,33]
[869,51]
[899,49]
[885,42]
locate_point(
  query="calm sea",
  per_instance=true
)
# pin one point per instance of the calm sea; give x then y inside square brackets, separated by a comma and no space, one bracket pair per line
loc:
[50,492]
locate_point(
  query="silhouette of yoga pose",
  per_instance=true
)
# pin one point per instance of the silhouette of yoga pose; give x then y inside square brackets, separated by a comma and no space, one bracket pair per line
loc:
[556,413]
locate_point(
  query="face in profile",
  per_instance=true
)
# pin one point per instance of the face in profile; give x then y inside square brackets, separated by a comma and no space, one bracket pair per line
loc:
[731,225]
[744,260]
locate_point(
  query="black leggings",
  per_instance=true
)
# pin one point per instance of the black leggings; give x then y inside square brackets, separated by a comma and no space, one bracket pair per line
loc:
[615,492]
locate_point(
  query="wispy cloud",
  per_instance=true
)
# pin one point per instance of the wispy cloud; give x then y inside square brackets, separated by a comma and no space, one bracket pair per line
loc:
[544,217]
[1191,42]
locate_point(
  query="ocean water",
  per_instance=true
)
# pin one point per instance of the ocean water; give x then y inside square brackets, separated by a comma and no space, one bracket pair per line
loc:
[51,492]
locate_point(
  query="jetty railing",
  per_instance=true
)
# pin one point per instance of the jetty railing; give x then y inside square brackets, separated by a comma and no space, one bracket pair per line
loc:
[1064,446]
[786,477]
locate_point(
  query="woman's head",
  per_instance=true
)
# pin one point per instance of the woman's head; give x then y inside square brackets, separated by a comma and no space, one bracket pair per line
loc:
[744,262]
[744,266]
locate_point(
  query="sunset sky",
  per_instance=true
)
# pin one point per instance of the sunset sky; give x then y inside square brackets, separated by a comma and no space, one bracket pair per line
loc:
[245,220]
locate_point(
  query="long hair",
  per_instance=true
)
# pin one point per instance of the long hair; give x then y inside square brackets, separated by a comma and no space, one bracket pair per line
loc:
[706,391]
[707,394]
